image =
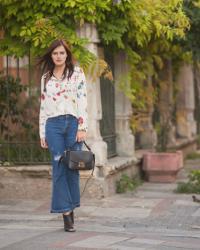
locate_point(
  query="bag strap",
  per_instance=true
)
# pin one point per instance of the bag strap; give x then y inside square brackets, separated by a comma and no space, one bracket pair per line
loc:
[89,178]
[91,175]
[83,143]
[87,145]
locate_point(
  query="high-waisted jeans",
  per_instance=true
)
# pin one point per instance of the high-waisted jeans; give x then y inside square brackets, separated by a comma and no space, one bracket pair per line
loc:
[61,134]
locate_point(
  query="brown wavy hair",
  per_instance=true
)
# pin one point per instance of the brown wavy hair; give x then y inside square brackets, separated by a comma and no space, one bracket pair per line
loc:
[48,64]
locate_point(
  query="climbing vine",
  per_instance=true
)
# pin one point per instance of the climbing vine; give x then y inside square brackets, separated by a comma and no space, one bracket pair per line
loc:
[148,31]
[123,24]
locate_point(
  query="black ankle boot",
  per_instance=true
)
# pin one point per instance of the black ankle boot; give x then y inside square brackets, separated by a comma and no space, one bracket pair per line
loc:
[72,216]
[68,224]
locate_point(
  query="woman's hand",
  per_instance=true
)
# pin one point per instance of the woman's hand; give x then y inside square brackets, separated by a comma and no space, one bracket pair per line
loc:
[43,143]
[81,135]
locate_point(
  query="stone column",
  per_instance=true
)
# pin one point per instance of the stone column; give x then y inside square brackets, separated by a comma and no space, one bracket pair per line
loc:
[99,147]
[197,95]
[125,139]
[147,137]
[186,125]
[166,104]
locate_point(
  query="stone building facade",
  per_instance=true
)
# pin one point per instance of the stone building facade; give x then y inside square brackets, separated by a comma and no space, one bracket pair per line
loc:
[179,102]
[109,169]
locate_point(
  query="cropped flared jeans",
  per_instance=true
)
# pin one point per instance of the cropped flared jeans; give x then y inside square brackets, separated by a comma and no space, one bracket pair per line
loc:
[61,134]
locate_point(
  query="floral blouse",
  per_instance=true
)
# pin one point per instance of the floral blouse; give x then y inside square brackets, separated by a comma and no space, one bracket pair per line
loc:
[64,97]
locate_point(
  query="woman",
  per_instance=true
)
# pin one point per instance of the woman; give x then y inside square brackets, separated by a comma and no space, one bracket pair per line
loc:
[63,124]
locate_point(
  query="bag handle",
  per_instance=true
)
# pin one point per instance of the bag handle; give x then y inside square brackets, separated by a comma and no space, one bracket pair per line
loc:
[87,145]
[83,143]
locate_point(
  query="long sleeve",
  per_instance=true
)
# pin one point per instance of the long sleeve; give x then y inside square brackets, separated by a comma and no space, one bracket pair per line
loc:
[82,102]
[42,115]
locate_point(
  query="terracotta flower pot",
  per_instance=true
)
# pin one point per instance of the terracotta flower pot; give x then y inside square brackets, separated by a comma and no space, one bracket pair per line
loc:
[162,167]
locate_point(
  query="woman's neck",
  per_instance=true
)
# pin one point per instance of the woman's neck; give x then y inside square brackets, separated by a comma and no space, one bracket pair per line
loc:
[58,71]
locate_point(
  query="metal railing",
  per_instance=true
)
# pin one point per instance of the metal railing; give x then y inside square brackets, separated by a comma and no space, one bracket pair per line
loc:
[19,138]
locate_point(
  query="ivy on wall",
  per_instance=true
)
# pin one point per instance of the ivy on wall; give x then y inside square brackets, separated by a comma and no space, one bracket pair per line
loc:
[126,22]
[148,31]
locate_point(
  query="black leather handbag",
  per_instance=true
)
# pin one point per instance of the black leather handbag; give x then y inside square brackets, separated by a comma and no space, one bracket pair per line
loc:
[78,159]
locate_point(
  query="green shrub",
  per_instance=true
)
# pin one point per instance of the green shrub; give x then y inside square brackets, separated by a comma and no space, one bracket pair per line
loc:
[193,184]
[126,183]
[193,156]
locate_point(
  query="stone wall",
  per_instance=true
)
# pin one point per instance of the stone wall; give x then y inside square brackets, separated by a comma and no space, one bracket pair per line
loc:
[25,182]
[34,182]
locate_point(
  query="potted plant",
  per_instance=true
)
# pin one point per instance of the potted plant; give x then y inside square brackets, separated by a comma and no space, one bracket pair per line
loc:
[163,165]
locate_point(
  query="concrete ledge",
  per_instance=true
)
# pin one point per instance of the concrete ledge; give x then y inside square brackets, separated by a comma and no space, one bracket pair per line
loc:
[185,145]
[25,182]
[42,171]
[34,182]
[105,184]
[119,163]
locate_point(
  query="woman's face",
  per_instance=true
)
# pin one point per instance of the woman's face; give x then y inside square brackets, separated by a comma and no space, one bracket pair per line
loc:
[59,56]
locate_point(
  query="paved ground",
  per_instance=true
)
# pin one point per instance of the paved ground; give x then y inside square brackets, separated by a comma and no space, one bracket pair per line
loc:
[153,217]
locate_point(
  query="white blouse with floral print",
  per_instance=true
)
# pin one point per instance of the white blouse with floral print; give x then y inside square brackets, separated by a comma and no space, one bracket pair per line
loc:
[64,97]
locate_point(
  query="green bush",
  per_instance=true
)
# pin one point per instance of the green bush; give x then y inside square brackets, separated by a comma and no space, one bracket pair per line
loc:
[126,183]
[193,156]
[193,184]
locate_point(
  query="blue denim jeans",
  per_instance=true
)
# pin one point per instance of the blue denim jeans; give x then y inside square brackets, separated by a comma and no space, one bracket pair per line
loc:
[61,134]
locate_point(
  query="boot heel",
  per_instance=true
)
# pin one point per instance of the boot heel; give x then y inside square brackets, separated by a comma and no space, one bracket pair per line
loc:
[68,224]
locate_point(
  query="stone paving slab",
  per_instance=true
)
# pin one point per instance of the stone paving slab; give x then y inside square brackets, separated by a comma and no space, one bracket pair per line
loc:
[15,226]
[184,246]
[146,241]
[158,187]
[197,213]
[118,247]
[119,201]
[56,238]
[153,218]
[24,217]
[186,203]
[117,212]
[152,194]
[15,236]
[99,241]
